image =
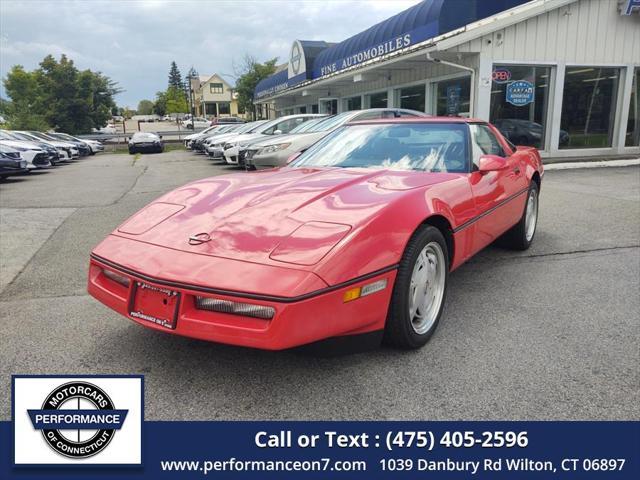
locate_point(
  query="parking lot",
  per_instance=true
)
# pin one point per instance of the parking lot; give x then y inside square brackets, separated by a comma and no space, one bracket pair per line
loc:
[551,333]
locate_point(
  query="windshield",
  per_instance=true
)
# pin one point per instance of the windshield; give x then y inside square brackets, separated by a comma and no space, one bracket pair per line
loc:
[145,136]
[6,136]
[22,136]
[41,135]
[430,147]
[308,125]
[331,122]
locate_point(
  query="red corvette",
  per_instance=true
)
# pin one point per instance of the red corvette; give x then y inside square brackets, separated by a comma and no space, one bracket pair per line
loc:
[358,234]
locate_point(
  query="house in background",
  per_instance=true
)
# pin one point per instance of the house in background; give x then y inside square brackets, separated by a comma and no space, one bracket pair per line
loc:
[214,97]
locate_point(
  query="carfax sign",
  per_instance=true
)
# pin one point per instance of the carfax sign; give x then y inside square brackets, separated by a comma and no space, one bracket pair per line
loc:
[520,93]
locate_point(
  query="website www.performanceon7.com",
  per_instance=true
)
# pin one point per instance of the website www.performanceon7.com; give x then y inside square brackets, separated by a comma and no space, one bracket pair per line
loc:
[236,465]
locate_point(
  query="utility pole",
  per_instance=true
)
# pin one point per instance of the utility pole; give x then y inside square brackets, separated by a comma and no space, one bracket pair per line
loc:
[191,102]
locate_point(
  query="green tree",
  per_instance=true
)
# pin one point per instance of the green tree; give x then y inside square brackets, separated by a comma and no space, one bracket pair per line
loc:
[250,73]
[176,103]
[22,87]
[58,95]
[145,107]
[175,78]
[160,105]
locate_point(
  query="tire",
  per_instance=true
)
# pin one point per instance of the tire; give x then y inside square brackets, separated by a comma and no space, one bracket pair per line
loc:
[407,326]
[131,151]
[521,235]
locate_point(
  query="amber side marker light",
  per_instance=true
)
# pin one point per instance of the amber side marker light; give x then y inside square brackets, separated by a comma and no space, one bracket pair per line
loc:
[357,292]
[116,277]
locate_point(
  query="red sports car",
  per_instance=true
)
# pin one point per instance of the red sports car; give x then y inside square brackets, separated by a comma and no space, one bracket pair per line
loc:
[358,234]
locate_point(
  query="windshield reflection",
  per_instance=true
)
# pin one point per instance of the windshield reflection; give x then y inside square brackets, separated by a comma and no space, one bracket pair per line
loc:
[429,147]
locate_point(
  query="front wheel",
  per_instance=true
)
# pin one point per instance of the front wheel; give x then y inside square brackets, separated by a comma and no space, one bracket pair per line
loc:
[520,236]
[420,290]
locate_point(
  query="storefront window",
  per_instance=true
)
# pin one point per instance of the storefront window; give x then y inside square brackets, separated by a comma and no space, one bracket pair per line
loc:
[378,100]
[353,103]
[453,97]
[412,97]
[330,107]
[224,108]
[633,124]
[588,106]
[314,108]
[519,99]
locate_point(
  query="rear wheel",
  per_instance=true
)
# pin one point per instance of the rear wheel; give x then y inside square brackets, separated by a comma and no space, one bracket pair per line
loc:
[420,290]
[521,234]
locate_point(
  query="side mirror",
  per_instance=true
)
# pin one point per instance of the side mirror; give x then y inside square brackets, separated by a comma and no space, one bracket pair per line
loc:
[277,132]
[293,157]
[491,163]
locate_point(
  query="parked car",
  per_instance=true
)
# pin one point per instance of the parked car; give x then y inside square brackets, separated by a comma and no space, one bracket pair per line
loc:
[362,229]
[222,120]
[146,142]
[11,163]
[189,138]
[94,145]
[214,146]
[198,144]
[72,150]
[277,126]
[117,118]
[77,149]
[55,153]
[197,122]
[35,156]
[108,129]
[274,152]
[31,153]
[525,132]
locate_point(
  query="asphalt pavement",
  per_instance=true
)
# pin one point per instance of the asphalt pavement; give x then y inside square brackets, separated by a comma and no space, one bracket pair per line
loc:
[552,333]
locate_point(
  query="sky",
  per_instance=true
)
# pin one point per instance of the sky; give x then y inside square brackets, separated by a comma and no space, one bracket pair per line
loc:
[134,41]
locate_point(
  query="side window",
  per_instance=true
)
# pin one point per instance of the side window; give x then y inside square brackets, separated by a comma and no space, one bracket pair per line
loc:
[287,125]
[483,142]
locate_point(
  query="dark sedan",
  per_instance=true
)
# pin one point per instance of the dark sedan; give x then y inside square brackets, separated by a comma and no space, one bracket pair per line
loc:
[146,142]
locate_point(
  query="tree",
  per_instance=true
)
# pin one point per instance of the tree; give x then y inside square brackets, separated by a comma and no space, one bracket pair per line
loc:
[249,74]
[160,105]
[145,107]
[175,78]
[176,103]
[58,95]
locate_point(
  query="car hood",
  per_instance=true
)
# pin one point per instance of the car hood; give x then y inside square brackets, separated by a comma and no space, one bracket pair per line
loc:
[248,215]
[19,144]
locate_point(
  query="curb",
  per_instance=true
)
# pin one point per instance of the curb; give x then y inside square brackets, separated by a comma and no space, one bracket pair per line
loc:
[598,164]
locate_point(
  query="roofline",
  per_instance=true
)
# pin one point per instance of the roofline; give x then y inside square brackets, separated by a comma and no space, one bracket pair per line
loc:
[440,43]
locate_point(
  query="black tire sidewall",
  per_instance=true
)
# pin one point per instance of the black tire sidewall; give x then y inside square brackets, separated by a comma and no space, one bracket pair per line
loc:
[399,331]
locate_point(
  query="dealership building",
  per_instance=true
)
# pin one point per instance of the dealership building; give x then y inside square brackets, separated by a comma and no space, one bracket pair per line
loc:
[561,75]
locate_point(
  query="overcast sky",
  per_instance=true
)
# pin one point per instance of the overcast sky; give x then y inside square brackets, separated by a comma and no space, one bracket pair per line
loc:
[134,42]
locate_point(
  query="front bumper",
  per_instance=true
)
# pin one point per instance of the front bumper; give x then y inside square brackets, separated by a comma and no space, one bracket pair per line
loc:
[145,148]
[215,152]
[297,320]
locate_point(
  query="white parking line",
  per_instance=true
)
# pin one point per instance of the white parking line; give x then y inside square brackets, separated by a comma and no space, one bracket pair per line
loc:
[603,163]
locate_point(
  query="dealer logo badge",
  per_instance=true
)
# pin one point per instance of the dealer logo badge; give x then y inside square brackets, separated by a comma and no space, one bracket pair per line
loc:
[83,420]
[78,419]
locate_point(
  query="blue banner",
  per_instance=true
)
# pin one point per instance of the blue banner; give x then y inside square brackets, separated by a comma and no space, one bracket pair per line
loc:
[367,450]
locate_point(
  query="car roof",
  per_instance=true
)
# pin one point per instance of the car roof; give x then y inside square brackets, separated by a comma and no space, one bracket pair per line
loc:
[418,120]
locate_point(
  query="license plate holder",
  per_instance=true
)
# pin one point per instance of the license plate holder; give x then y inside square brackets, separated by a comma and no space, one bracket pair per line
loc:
[155,304]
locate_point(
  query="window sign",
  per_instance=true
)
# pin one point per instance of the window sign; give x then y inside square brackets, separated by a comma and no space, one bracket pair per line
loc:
[522,123]
[453,99]
[501,75]
[520,93]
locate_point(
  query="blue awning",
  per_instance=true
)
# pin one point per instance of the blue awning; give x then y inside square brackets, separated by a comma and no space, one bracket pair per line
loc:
[421,22]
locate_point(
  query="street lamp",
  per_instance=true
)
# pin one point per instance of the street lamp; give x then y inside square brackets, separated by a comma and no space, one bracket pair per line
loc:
[191,101]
